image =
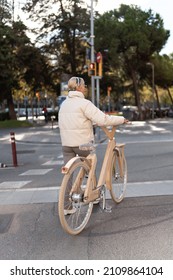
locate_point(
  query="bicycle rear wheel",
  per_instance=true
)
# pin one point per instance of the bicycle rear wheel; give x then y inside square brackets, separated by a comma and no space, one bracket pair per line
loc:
[71,199]
[118,178]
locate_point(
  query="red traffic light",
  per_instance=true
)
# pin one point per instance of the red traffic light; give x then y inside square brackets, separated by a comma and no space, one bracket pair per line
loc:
[92,69]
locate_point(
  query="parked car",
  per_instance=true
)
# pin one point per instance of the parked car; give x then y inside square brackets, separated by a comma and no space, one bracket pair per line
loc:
[170,112]
[130,112]
[61,99]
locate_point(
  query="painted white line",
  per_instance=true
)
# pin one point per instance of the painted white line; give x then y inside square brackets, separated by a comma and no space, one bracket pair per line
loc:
[54,162]
[36,172]
[31,189]
[50,194]
[141,141]
[149,141]
[151,182]
[150,188]
[14,184]
[60,156]
[161,186]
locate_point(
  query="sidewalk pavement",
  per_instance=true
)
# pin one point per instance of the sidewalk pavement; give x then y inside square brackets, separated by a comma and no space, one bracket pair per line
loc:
[50,194]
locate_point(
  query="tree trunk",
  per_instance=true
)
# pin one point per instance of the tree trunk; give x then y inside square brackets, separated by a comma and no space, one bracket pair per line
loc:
[10,105]
[169,93]
[137,95]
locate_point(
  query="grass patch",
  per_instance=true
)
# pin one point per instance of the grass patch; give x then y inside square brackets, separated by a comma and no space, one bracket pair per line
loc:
[14,124]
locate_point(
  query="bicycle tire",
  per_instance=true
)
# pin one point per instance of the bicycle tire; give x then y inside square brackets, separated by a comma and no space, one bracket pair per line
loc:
[118,182]
[76,222]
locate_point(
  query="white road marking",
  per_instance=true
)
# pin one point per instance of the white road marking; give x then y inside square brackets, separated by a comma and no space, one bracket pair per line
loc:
[54,162]
[13,184]
[36,172]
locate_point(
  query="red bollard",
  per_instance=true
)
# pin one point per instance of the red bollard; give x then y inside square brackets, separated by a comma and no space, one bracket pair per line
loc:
[13,146]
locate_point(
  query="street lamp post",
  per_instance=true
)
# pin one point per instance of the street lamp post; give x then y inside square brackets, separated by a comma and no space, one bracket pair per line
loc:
[153,85]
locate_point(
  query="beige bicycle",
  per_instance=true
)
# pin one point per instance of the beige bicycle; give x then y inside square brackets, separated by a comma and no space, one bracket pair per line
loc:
[80,189]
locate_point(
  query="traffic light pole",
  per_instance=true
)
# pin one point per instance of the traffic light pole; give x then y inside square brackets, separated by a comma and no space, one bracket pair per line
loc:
[94,78]
[92,52]
[97,78]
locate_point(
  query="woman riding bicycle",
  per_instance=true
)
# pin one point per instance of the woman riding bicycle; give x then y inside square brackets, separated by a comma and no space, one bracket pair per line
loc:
[76,118]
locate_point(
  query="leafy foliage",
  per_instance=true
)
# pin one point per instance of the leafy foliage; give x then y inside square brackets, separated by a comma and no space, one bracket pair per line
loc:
[19,60]
[128,38]
[63,28]
[132,36]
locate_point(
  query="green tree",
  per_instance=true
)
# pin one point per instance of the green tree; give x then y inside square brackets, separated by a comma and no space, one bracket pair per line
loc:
[5,15]
[36,69]
[163,65]
[19,60]
[132,36]
[12,38]
[61,30]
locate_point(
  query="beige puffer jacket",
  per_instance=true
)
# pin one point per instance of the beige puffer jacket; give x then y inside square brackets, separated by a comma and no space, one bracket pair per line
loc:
[76,118]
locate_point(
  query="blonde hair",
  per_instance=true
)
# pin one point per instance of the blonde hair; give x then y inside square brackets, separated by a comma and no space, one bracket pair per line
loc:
[75,82]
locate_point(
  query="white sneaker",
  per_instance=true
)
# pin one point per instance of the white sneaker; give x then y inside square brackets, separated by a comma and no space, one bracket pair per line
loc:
[69,211]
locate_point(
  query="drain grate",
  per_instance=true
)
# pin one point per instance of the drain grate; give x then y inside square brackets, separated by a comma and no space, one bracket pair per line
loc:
[5,222]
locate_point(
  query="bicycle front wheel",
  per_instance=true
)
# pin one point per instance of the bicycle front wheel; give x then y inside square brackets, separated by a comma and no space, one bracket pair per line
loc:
[74,214]
[118,177]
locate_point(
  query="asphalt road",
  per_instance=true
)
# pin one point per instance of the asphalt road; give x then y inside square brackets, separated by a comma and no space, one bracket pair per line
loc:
[139,228]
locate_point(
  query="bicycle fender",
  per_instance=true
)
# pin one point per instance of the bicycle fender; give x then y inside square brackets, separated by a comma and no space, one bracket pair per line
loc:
[65,169]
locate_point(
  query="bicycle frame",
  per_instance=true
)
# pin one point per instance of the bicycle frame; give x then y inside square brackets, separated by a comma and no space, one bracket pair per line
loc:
[104,177]
[92,194]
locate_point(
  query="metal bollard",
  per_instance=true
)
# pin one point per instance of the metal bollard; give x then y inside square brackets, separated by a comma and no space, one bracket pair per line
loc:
[13,147]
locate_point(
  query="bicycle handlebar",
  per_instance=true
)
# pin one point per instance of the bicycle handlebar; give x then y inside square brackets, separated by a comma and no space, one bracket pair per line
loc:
[111,132]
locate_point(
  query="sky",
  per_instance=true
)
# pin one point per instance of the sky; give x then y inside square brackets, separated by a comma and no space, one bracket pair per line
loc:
[162,7]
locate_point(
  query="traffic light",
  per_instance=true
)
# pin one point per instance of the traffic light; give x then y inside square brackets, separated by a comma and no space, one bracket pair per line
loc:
[92,69]
[100,68]
[100,64]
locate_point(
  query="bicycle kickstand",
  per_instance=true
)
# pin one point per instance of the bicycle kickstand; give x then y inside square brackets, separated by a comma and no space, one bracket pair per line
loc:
[103,204]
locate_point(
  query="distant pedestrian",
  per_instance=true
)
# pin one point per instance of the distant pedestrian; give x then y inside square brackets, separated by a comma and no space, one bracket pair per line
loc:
[45,114]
